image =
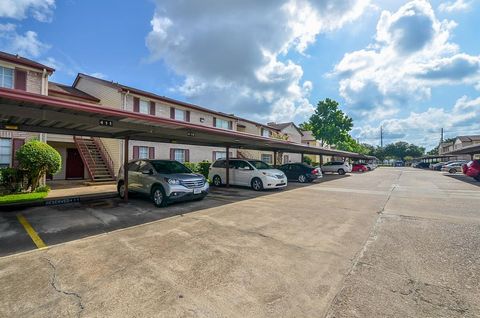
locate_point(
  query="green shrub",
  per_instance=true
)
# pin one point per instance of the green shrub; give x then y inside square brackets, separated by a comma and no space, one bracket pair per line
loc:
[203,168]
[307,160]
[44,188]
[191,165]
[12,179]
[37,158]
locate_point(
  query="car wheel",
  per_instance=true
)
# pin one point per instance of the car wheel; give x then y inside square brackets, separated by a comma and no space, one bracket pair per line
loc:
[257,184]
[341,172]
[477,178]
[158,197]
[121,189]
[302,178]
[452,170]
[217,181]
[369,169]
[360,170]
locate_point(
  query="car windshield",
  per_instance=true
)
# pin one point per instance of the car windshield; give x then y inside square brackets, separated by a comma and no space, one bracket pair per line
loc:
[260,165]
[169,167]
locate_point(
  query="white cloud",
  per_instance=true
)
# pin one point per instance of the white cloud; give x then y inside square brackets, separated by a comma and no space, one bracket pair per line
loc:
[26,44]
[232,54]
[412,54]
[457,5]
[423,128]
[41,10]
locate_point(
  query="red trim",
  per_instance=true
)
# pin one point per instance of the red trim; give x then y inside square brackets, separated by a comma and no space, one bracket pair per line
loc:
[214,121]
[16,144]
[187,116]
[151,152]
[23,61]
[172,153]
[21,96]
[172,113]
[187,155]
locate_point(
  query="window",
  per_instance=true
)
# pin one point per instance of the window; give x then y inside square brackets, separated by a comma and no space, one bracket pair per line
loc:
[259,164]
[219,164]
[5,152]
[169,167]
[144,107]
[265,133]
[181,155]
[180,114]
[219,155]
[267,158]
[221,123]
[6,77]
[285,159]
[142,152]
[241,165]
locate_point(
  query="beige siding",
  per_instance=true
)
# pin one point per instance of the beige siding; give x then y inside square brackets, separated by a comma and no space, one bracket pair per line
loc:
[34,82]
[109,96]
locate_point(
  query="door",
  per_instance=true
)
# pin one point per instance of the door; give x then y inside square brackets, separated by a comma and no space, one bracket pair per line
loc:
[242,174]
[75,167]
[145,181]
[287,169]
[16,144]
[133,184]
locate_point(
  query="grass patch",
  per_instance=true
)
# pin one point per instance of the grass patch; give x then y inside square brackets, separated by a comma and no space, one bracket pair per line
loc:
[22,197]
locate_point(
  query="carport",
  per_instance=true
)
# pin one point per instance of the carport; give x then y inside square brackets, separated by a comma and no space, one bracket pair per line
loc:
[43,114]
[470,150]
[435,158]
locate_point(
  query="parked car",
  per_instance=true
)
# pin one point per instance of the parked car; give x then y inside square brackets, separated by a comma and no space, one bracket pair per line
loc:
[453,167]
[422,165]
[245,172]
[399,163]
[301,172]
[472,169]
[339,167]
[437,166]
[370,166]
[359,167]
[163,181]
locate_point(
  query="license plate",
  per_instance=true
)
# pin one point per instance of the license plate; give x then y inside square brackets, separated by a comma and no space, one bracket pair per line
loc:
[197,191]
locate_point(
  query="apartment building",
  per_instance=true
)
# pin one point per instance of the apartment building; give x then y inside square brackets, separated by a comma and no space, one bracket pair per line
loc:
[99,159]
[309,139]
[23,74]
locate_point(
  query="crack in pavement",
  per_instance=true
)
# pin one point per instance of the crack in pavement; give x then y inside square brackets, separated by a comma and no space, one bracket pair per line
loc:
[54,285]
[371,238]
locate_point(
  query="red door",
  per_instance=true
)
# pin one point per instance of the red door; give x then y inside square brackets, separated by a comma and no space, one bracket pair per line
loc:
[75,166]
[16,144]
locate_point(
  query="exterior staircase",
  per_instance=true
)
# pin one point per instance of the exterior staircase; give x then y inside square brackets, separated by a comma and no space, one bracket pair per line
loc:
[96,158]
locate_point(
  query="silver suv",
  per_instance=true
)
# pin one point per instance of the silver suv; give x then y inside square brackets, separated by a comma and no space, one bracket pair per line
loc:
[163,181]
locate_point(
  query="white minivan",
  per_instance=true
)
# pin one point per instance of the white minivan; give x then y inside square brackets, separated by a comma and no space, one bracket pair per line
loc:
[340,167]
[247,172]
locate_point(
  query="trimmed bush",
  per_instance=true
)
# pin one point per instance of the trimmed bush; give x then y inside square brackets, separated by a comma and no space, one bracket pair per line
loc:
[191,165]
[44,188]
[37,158]
[12,179]
[307,160]
[203,168]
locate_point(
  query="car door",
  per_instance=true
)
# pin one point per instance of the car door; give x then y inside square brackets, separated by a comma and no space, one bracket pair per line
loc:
[133,176]
[287,170]
[145,177]
[328,167]
[242,173]
[295,171]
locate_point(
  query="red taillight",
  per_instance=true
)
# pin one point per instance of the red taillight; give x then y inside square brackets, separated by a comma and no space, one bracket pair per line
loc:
[314,171]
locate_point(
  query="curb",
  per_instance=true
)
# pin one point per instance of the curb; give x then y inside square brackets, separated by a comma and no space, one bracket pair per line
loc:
[56,201]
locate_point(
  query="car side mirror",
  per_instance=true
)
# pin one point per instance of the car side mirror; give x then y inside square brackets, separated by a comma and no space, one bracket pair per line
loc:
[149,171]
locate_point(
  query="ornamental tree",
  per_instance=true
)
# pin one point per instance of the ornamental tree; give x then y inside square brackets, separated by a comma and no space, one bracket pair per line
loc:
[37,158]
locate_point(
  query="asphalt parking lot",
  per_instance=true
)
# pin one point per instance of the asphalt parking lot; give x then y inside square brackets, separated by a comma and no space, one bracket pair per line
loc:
[395,242]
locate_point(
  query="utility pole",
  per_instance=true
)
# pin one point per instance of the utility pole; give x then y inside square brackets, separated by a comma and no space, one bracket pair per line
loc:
[441,136]
[381,136]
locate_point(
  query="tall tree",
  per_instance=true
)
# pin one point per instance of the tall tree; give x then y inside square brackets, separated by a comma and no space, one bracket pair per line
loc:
[401,149]
[329,124]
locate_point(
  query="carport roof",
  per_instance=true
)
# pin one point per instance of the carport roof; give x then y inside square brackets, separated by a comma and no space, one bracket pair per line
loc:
[37,113]
[469,150]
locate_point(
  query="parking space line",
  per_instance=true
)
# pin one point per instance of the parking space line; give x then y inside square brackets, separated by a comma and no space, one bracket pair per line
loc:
[31,232]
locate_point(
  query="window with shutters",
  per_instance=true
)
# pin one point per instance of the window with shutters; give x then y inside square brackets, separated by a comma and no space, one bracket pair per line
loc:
[5,152]
[222,123]
[144,107]
[219,155]
[142,152]
[179,155]
[6,77]
[180,114]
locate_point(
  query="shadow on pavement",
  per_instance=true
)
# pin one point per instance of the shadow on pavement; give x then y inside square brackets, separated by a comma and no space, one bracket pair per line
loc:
[464,178]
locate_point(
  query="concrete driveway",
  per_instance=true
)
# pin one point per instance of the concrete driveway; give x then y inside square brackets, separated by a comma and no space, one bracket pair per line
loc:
[389,243]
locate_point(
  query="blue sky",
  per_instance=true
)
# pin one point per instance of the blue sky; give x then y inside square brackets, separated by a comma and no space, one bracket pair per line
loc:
[412,67]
